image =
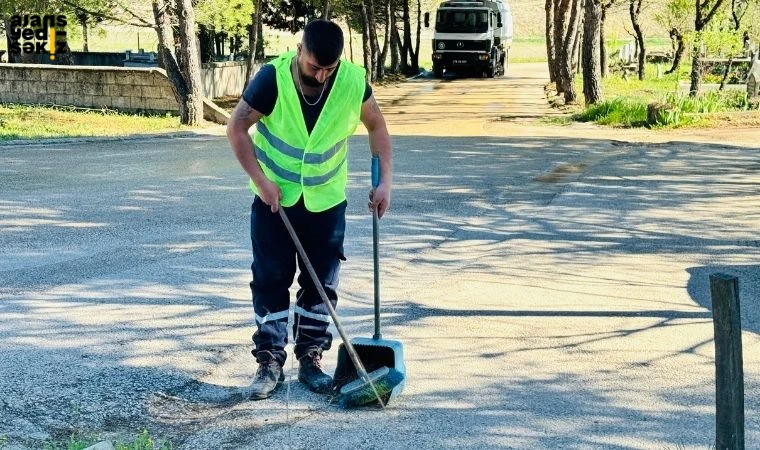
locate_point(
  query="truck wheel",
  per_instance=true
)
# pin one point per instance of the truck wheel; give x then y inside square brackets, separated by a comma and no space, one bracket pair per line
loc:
[437,71]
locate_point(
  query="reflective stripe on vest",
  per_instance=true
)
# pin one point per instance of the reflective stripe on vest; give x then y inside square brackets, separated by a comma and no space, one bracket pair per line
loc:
[297,153]
[294,177]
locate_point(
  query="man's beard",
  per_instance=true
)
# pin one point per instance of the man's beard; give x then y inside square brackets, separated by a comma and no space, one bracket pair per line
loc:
[309,81]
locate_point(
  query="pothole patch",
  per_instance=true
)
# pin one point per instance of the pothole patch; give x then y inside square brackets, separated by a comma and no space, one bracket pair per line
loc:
[561,172]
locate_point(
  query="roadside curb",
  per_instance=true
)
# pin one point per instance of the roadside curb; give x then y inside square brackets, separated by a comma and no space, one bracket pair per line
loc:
[88,139]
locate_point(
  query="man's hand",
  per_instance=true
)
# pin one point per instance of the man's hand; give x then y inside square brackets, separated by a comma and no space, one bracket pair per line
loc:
[380,198]
[270,193]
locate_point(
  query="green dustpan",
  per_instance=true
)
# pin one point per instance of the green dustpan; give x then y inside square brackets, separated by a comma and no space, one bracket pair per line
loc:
[374,352]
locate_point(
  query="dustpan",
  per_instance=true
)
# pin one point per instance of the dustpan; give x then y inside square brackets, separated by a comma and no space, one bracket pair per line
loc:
[374,352]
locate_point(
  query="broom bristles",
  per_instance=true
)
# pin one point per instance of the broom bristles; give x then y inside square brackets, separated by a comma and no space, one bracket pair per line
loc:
[359,392]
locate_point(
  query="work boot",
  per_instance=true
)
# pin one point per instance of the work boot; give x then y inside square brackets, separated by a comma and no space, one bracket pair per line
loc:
[269,377]
[310,373]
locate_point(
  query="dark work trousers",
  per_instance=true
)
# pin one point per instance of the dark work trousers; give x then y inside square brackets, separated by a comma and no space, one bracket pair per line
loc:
[274,267]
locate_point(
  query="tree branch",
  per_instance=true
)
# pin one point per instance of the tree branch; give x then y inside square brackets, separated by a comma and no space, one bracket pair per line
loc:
[136,16]
[716,6]
[144,24]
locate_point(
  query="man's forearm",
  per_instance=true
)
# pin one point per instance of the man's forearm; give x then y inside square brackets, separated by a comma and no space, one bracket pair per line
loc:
[380,145]
[242,146]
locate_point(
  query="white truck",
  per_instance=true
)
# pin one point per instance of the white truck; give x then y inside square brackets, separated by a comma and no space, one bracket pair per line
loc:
[471,35]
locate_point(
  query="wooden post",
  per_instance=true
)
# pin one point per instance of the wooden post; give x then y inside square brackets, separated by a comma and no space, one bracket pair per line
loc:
[729,372]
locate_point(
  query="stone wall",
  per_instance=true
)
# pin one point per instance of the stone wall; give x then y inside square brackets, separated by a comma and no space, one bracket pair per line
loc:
[128,89]
[224,78]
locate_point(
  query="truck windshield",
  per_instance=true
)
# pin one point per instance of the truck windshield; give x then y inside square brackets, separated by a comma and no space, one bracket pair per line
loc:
[462,21]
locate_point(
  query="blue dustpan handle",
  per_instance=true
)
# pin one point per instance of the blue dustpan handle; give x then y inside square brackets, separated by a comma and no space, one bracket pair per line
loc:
[375,171]
[376,260]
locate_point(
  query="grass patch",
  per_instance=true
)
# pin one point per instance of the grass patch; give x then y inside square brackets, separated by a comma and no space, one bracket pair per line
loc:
[627,99]
[35,122]
[143,441]
[620,111]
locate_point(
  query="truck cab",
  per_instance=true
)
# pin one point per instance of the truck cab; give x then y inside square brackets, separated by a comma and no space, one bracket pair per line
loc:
[471,35]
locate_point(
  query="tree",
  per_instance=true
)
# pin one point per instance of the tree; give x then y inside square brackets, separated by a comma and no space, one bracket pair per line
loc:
[219,20]
[704,12]
[410,53]
[566,14]
[253,37]
[634,10]
[289,15]
[183,67]
[89,15]
[676,17]
[386,39]
[366,46]
[551,44]
[603,57]
[592,67]
[739,9]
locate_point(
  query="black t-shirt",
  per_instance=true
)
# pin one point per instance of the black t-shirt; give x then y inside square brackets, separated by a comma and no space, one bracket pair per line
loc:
[261,95]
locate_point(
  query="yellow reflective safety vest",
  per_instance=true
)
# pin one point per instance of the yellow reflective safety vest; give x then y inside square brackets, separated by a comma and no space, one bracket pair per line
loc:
[313,165]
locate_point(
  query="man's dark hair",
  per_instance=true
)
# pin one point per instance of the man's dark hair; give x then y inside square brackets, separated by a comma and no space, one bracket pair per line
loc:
[324,40]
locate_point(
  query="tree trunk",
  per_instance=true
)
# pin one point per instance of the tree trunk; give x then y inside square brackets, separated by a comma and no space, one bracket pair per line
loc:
[386,39]
[560,22]
[326,10]
[696,69]
[551,50]
[253,34]
[260,54]
[366,46]
[85,37]
[350,41]
[219,43]
[9,41]
[726,73]
[604,60]
[373,40]
[166,56]
[567,18]
[578,49]
[635,13]
[395,65]
[592,67]
[207,44]
[416,54]
[677,37]
[406,45]
[190,63]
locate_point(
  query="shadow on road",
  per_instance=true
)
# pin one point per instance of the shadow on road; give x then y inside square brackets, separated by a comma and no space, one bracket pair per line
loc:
[124,278]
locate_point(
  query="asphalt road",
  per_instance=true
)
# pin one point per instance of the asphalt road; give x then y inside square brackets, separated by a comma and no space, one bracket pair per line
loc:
[549,286]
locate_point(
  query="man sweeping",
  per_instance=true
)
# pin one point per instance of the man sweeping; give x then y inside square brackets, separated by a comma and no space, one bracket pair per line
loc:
[305,104]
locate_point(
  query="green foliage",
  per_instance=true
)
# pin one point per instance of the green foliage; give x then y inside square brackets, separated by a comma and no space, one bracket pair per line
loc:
[720,38]
[621,111]
[230,16]
[678,14]
[144,441]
